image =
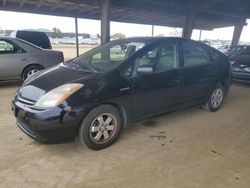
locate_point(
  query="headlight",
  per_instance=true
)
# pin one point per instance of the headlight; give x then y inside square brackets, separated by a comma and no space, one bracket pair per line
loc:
[57,95]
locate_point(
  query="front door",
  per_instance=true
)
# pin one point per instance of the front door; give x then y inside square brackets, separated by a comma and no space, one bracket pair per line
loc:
[157,80]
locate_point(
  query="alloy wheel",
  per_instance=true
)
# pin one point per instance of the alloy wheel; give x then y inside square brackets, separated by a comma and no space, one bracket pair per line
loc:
[103,128]
[32,72]
[217,98]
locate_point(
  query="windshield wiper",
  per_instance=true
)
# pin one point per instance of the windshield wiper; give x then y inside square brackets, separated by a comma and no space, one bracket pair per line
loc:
[81,66]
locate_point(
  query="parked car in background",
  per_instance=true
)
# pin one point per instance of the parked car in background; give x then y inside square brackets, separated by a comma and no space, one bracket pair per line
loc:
[234,50]
[225,48]
[20,59]
[91,41]
[241,65]
[206,42]
[35,37]
[97,94]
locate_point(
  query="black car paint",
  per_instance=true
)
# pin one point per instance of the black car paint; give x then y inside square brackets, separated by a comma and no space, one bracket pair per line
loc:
[136,98]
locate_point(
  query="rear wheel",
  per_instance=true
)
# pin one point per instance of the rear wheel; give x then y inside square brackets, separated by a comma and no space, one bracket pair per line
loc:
[100,128]
[31,70]
[216,99]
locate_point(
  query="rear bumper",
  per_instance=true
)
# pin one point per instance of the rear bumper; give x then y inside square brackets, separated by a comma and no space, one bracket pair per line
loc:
[53,125]
[241,77]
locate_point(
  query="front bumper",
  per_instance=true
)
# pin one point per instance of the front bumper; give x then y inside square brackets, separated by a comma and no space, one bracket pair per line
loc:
[52,125]
[241,76]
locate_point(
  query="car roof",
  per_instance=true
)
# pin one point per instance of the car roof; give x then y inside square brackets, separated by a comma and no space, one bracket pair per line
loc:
[155,39]
[26,43]
[9,38]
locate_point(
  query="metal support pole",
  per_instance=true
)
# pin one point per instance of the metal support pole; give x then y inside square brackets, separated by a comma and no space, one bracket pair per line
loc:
[237,32]
[153,28]
[77,40]
[105,21]
[189,24]
[200,35]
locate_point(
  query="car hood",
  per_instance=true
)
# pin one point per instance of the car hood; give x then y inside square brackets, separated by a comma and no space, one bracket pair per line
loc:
[46,80]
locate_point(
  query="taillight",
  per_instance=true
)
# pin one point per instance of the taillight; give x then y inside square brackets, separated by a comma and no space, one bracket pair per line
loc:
[61,58]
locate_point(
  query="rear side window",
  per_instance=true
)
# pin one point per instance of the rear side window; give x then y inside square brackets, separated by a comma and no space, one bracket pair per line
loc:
[194,55]
[8,47]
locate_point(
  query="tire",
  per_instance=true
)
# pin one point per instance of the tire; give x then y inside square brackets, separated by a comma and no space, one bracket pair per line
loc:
[215,99]
[30,70]
[100,128]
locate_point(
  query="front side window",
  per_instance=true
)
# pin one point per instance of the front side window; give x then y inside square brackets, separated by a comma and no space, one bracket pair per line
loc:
[7,47]
[194,55]
[162,58]
[109,56]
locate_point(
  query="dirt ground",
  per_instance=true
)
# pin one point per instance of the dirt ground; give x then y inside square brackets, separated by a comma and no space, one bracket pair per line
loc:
[191,148]
[69,51]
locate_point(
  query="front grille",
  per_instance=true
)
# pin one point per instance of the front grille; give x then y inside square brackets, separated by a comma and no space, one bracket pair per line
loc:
[25,101]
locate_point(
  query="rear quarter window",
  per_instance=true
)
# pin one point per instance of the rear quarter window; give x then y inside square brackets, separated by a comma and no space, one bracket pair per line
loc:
[215,55]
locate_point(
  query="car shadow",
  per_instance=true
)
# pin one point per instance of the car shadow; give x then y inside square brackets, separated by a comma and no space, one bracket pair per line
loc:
[10,83]
[237,83]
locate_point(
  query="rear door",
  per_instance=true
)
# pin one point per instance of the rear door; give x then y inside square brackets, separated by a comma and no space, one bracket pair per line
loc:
[13,58]
[154,92]
[200,72]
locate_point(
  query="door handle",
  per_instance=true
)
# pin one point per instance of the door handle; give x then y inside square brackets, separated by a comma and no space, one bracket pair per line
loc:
[176,80]
[23,59]
[125,89]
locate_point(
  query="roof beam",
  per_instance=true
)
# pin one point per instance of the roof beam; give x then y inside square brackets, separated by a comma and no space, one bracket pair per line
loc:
[211,3]
[189,24]
[22,3]
[4,3]
[158,12]
[38,6]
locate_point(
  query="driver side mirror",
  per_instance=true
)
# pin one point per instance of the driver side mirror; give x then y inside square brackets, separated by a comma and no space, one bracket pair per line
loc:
[144,70]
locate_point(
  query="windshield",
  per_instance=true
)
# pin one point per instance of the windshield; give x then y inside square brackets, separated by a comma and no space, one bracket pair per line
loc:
[109,56]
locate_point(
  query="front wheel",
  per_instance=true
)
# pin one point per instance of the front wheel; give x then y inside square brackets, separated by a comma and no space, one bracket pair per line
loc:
[216,99]
[100,128]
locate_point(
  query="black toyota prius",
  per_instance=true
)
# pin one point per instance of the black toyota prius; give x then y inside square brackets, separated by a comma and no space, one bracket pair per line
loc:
[104,90]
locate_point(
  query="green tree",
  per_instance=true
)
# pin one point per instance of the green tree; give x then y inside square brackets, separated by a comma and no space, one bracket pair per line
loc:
[118,36]
[57,32]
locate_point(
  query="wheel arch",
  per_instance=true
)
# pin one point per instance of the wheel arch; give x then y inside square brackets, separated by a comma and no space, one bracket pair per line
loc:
[121,111]
[33,64]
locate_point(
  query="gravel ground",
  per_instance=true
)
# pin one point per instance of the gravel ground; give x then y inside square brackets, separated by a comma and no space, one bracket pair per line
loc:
[189,148]
[69,51]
